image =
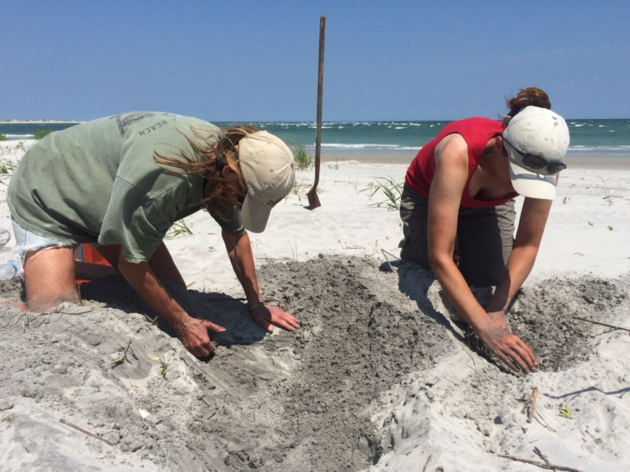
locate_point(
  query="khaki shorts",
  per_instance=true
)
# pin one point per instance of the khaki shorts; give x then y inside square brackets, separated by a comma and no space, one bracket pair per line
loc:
[484,241]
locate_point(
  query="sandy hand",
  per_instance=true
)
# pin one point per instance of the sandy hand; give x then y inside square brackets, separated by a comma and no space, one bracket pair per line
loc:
[267,316]
[509,347]
[499,320]
[194,336]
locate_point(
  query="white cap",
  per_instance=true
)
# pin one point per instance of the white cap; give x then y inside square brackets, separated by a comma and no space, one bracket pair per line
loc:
[268,170]
[540,132]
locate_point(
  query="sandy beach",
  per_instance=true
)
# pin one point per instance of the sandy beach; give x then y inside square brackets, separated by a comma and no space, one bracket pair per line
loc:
[378,378]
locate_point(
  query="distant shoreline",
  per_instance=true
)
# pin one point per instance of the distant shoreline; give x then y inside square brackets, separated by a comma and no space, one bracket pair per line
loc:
[39,121]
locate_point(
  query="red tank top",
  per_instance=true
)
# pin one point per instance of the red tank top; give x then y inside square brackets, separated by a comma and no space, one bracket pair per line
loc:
[476,132]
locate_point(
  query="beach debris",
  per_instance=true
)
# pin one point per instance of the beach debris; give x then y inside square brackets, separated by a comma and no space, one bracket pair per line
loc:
[427,463]
[539,453]
[591,224]
[122,359]
[566,412]
[610,228]
[163,369]
[133,387]
[543,465]
[385,254]
[154,358]
[152,321]
[78,428]
[532,408]
[600,323]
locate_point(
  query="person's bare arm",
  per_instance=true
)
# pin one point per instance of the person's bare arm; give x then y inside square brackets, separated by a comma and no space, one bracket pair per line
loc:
[447,187]
[528,238]
[240,251]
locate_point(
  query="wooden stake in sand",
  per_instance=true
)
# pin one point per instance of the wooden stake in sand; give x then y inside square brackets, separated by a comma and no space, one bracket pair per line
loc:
[313,199]
[601,324]
[78,428]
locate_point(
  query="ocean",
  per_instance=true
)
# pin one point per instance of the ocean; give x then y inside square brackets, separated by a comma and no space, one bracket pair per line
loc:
[588,137]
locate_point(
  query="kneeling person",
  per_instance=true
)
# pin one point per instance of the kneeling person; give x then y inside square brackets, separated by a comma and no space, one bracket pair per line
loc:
[122,182]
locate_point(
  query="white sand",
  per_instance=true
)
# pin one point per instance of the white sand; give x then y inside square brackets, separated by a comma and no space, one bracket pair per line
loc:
[443,412]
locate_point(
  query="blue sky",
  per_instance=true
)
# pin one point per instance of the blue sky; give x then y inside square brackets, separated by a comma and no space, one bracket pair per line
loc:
[257,60]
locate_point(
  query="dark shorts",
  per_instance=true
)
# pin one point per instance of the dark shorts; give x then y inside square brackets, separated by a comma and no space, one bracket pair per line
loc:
[484,241]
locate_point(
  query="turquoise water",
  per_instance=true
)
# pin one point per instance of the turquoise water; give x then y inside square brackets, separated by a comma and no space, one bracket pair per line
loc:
[588,137]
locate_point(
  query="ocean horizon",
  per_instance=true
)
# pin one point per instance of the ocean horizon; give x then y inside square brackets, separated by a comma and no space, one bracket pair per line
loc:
[589,137]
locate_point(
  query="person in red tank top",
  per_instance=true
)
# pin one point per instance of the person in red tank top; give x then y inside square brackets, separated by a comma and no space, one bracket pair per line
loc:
[458,212]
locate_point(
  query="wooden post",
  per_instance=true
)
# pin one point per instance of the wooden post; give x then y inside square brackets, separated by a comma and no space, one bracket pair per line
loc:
[313,199]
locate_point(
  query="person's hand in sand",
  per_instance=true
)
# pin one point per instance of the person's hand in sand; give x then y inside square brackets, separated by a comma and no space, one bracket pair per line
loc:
[121,183]
[194,336]
[268,316]
[458,212]
[508,347]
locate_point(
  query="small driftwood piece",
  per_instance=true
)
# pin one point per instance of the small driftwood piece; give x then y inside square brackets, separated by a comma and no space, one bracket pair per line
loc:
[541,464]
[78,428]
[532,409]
[601,324]
[544,458]
[427,463]
[122,359]
[385,253]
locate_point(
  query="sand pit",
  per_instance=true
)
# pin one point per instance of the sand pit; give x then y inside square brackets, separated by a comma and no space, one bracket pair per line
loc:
[376,375]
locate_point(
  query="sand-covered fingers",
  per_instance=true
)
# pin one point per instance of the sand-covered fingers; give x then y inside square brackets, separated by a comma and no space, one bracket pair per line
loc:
[194,336]
[510,348]
[268,316]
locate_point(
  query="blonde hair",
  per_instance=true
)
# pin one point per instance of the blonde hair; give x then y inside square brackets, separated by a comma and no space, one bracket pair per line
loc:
[203,143]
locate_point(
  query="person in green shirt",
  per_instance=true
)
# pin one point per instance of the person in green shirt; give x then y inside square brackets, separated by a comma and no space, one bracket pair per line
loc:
[122,182]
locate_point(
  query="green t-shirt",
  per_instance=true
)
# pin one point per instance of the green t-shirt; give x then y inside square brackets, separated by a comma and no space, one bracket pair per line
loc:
[98,181]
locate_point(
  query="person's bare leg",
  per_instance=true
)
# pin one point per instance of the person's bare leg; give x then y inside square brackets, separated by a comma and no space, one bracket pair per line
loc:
[49,279]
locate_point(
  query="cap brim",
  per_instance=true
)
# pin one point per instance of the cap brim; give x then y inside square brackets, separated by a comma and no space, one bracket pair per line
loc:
[254,216]
[532,185]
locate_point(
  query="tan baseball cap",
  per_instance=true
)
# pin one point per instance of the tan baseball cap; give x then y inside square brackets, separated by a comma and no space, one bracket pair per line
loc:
[268,170]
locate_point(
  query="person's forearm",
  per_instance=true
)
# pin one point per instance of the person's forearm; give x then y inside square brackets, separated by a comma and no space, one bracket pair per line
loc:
[458,292]
[148,286]
[518,268]
[240,251]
